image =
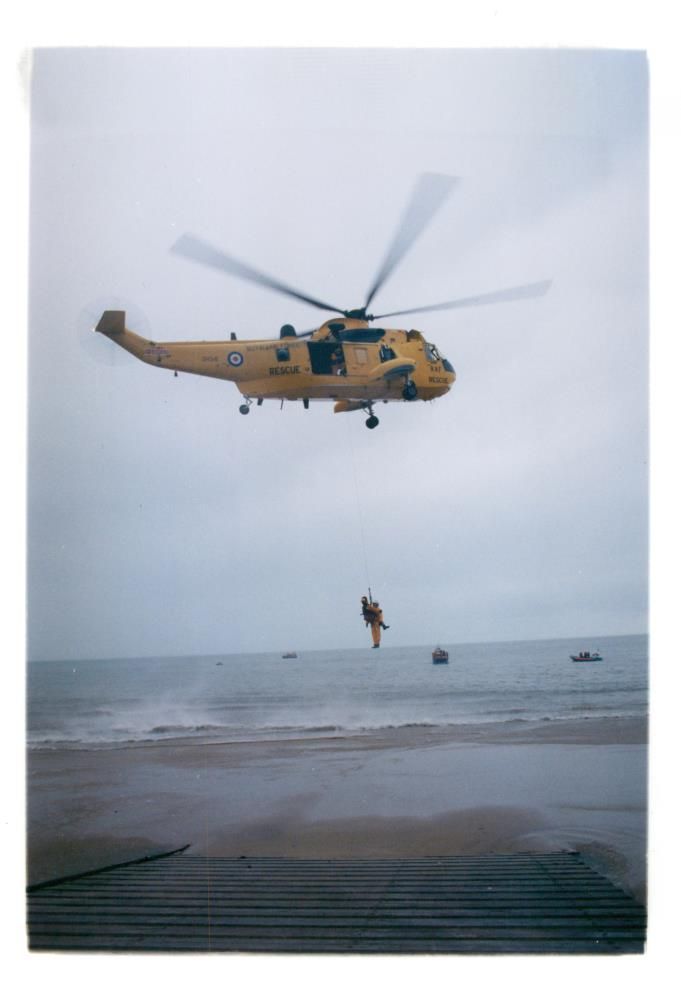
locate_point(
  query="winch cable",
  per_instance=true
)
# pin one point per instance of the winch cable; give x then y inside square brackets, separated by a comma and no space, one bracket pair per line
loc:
[359,506]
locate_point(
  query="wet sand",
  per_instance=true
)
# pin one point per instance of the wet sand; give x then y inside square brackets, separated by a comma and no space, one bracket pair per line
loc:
[403,792]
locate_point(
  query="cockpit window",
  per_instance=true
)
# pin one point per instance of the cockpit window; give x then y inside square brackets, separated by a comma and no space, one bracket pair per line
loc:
[432,352]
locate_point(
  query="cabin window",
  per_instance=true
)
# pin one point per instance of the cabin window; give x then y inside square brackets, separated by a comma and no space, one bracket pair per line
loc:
[283,354]
[432,352]
[387,353]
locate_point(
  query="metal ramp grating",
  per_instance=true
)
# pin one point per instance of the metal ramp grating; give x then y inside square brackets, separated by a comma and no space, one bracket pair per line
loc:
[522,903]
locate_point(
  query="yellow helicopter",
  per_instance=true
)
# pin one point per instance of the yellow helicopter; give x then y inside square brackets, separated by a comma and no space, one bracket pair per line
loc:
[345,360]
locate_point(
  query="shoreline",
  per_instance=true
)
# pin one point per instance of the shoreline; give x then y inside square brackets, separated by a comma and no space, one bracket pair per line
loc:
[592,731]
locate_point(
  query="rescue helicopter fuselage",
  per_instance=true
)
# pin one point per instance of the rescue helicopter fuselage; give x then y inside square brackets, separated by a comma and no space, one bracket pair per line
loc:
[345,360]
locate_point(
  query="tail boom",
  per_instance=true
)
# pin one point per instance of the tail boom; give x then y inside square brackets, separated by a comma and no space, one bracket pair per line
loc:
[112,325]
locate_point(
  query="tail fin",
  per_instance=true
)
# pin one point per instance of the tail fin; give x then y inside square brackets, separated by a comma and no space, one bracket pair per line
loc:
[112,323]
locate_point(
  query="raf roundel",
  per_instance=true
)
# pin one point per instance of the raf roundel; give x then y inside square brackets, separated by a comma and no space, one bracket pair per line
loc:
[235,358]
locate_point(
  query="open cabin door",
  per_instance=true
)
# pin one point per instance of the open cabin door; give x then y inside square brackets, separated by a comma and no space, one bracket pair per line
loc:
[333,358]
[326,357]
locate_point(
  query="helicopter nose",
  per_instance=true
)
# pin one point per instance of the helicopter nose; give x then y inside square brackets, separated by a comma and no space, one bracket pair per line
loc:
[449,367]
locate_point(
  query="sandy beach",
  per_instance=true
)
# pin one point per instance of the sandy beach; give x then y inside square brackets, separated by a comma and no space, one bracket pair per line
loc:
[404,792]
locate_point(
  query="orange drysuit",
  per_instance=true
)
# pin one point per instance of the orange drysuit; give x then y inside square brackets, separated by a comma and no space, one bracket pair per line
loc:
[373,616]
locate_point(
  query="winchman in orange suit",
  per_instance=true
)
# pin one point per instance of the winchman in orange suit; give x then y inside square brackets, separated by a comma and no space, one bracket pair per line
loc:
[373,617]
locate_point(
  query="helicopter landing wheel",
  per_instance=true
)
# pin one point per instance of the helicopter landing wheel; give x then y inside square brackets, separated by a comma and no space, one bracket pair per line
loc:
[372,420]
[410,391]
[244,408]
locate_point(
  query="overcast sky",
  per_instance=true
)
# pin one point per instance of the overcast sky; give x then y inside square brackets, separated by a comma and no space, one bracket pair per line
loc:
[161,521]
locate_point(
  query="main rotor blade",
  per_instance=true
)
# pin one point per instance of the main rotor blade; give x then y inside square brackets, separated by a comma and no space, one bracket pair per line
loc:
[203,253]
[428,195]
[534,291]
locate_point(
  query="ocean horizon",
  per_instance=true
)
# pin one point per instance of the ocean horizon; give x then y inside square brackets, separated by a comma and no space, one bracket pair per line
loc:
[247,696]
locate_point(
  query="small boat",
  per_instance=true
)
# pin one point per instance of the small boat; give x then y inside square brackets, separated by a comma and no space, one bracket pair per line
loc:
[440,655]
[289,656]
[586,657]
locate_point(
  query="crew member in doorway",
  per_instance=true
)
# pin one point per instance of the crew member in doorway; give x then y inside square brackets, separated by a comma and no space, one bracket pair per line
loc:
[373,617]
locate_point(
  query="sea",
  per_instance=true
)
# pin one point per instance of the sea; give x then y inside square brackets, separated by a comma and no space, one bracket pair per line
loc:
[97,704]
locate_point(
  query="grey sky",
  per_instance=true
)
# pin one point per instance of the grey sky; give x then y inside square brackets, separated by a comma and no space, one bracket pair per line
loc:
[162,521]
